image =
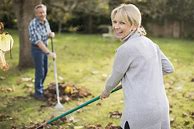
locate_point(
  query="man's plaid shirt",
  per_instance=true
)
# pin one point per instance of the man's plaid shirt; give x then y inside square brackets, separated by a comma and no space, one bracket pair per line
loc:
[38,31]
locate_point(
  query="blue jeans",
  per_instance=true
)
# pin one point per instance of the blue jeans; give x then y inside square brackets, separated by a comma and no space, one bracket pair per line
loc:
[41,68]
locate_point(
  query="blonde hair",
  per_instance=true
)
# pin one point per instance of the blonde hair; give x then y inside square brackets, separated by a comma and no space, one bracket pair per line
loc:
[130,14]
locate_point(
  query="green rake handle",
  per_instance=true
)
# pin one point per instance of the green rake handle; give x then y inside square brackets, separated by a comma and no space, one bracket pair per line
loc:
[80,106]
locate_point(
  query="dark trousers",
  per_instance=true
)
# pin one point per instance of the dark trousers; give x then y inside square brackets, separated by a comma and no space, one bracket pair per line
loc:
[41,68]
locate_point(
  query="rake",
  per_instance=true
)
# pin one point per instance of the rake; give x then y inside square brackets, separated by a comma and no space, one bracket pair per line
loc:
[58,105]
[76,108]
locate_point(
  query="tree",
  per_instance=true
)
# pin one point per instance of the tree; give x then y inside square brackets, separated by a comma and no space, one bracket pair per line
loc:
[61,10]
[115,3]
[180,14]
[6,14]
[89,10]
[24,13]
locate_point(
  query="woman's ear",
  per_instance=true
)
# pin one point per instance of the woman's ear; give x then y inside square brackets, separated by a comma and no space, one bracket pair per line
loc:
[133,28]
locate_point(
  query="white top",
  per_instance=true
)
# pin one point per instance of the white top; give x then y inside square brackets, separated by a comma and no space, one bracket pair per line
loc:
[140,65]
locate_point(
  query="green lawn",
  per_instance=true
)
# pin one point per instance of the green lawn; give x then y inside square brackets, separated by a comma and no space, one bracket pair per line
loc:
[86,60]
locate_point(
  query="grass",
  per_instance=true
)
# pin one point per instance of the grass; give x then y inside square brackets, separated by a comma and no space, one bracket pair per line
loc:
[86,60]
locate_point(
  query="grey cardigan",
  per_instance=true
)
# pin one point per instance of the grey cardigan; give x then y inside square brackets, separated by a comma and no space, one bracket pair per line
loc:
[140,65]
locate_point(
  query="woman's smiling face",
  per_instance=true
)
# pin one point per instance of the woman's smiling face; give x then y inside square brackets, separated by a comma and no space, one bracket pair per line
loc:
[120,27]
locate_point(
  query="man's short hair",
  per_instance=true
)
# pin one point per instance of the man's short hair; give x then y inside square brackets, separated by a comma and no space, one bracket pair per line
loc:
[39,6]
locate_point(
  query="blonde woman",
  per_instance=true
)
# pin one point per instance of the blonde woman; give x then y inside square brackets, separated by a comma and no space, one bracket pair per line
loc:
[139,65]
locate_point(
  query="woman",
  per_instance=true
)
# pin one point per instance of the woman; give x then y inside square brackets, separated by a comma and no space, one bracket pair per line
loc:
[139,65]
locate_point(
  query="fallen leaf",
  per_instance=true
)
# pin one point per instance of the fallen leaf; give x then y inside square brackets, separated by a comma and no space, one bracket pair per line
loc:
[115,114]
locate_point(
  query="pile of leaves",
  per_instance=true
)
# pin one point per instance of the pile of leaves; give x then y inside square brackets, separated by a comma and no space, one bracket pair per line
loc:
[67,92]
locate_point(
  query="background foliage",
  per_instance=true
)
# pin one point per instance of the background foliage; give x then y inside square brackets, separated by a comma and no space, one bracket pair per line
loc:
[87,15]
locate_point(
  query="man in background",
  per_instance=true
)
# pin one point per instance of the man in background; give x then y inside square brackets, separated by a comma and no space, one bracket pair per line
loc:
[39,33]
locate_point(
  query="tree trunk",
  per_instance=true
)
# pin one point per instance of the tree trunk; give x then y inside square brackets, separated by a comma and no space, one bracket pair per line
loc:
[90,22]
[24,10]
[183,33]
[59,27]
[176,29]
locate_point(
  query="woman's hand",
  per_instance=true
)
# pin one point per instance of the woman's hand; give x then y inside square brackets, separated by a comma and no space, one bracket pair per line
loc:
[104,94]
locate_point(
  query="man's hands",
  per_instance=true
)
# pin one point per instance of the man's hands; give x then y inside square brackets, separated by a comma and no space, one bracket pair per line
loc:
[46,50]
[52,54]
[51,34]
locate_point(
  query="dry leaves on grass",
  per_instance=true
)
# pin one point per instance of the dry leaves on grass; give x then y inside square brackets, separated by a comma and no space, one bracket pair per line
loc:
[67,93]
[115,114]
[98,126]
